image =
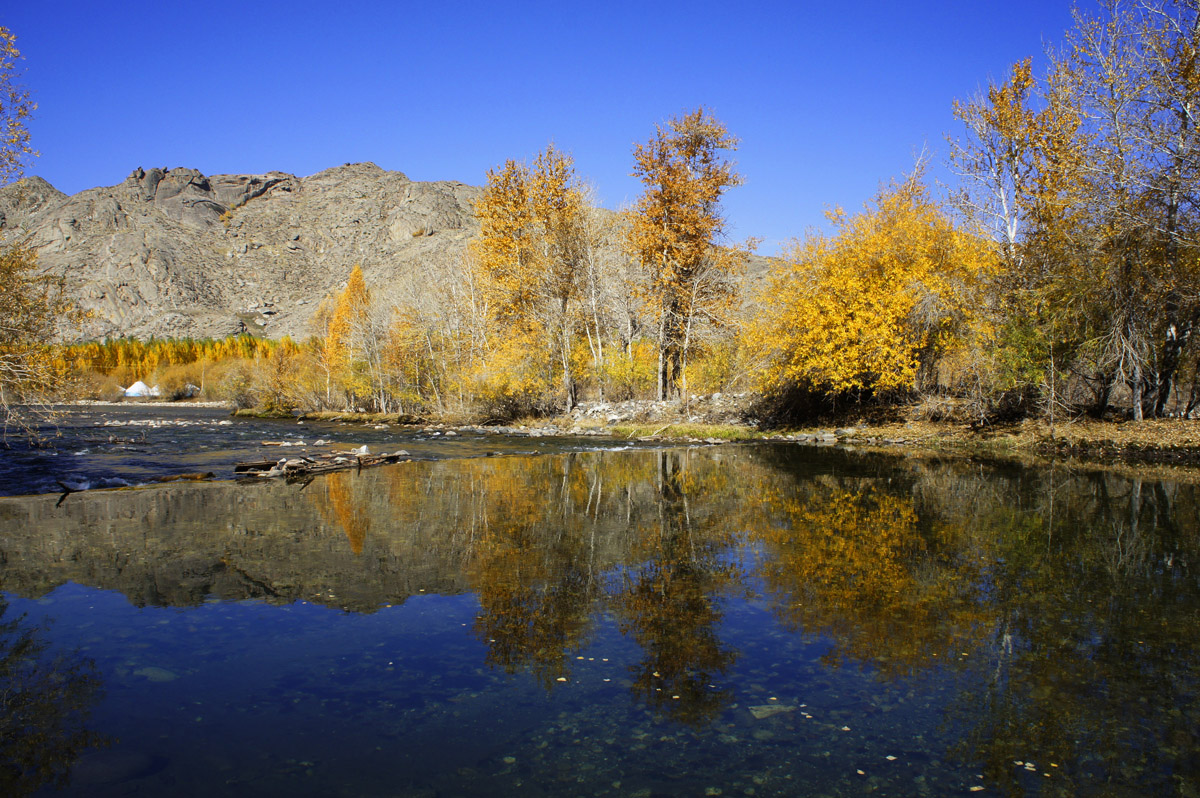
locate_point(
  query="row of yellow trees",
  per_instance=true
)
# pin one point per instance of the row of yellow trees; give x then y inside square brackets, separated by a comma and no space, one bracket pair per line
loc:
[553,299]
[1063,272]
[222,368]
[552,312]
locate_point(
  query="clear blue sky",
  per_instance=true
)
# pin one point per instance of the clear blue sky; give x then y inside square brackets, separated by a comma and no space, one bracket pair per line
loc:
[828,99]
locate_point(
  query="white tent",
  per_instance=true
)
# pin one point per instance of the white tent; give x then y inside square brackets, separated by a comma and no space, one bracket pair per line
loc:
[140,390]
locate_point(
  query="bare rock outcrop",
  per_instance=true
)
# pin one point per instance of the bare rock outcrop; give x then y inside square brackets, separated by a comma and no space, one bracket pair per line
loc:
[172,252]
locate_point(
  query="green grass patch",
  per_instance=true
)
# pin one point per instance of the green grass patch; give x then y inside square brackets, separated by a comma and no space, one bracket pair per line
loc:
[727,432]
[254,412]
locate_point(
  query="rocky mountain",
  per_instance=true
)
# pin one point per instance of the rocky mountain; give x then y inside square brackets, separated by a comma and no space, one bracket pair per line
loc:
[171,252]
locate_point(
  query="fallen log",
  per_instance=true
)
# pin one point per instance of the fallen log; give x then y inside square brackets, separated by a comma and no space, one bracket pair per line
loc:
[258,465]
[298,469]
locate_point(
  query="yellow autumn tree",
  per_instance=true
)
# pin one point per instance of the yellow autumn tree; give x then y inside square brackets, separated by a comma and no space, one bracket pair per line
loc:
[16,108]
[1022,162]
[529,261]
[506,253]
[673,229]
[558,206]
[29,304]
[872,308]
[409,356]
[30,307]
[346,345]
[1088,178]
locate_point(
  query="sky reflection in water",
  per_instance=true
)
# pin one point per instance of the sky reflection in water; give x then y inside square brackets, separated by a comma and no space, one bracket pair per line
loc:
[759,620]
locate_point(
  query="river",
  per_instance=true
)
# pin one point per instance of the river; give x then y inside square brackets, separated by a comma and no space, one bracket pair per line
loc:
[750,619]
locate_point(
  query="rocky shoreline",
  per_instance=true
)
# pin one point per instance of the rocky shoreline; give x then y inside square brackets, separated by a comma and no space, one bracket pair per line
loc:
[724,418]
[719,419]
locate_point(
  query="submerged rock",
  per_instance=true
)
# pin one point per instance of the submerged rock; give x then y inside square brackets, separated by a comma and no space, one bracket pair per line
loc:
[156,674]
[767,710]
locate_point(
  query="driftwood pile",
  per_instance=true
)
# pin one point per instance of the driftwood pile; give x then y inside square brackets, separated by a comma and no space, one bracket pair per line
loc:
[298,469]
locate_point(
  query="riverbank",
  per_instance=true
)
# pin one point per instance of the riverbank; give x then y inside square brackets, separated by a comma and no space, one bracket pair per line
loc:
[725,418]
[138,401]
[1158,441]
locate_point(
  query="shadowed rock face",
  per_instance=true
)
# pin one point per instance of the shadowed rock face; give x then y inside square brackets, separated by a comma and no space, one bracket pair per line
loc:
[172,252]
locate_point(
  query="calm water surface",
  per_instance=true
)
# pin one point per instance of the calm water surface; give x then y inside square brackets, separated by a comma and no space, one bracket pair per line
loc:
[740,620]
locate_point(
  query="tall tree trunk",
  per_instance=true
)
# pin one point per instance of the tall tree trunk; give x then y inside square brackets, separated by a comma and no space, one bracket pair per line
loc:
[661,393]
[568,383]
[1136,384]
[1179,334]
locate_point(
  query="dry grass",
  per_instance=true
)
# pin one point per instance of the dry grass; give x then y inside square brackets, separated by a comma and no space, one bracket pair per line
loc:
[1145,442]
[361,418]
[1157,433]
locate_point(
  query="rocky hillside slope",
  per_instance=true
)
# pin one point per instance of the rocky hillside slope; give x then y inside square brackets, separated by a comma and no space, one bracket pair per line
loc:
[171,252]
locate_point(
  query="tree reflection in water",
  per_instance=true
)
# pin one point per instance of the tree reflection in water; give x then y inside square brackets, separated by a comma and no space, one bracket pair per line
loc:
[668,600]
[1052,615]
[45,702]
[555,546]
[853,562]
[532,567]
[1062,610]
[1091,658]
[335,498]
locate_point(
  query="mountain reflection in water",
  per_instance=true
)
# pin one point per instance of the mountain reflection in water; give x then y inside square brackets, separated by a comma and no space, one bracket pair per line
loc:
[778,618]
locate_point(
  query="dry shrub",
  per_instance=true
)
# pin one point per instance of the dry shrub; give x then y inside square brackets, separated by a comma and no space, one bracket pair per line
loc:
[634,374]
[95,385]
[124,374]
[936,407]
[232,381]
[304,382]
[518,379]
[179,382]
[283,382]
[713,368]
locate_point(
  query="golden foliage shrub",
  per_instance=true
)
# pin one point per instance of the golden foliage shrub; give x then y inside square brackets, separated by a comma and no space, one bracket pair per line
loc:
[713,368]
[179,382]
[232,381]
[873,308]
[94,385]
[516,380]
[632,374]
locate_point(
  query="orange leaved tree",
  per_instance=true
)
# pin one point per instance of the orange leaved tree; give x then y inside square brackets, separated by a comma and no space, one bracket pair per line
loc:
[673,228]
[530,264]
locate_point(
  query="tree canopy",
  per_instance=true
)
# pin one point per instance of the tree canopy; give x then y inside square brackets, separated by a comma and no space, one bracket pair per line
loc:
[16,108]
[673,228]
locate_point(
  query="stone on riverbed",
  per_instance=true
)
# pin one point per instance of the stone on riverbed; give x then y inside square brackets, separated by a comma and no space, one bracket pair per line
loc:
[156,674]
[767,710]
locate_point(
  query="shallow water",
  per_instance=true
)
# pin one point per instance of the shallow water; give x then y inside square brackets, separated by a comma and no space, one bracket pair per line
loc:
[741,620]
[113,446]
